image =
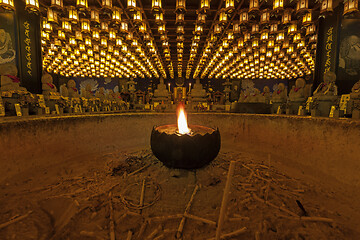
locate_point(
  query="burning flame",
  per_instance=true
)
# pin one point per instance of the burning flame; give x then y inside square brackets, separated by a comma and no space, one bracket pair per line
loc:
[182,122]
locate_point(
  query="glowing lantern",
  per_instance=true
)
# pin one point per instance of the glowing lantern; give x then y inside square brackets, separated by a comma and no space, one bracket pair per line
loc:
[229,6]
[264,35]
[61,35]
[161,29]
[286,17]
[112,35]
[72,41]
[131,5]
[51,16]
[310,29]
[351,6]
[82,4]
[180,6]
[270,44]
[73,15]
[85,25]
[94,16]
[292,29]
[280,37]
[273,27]
[66,25]
[302,5]
[142,28]
[307,18]
[58,4]
[326,6]
[223,17]
[88,42]
[244,17]
[116,15]
[236,28]
[137,17]
[124,27]
[253,5]
[247,37]
[217,29]
[32,5]
[201,18]
[265,16]
[78,35]
[255,28]
[96,34]
[255,43]
[156,5]
[278,4]
[297,38]
[198,29]
[204,5]
[180,30]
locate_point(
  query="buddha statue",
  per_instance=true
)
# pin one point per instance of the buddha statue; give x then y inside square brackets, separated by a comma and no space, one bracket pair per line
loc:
[255,96]
[198,94]
[161,93]
[110,95]
[73,92]
[47,84]
[279,96]
[355,91]
[64,90]
[297,93]
[100,94]
[9,79]
[265,95]
[327,90]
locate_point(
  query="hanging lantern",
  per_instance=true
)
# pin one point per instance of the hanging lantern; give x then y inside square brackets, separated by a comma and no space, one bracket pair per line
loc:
[142,28]
[254,6]
[179,18]
[223,17]
[180,30]
[254,28]
[204,5]
[310,29]
[278,5]
[131,5]
[88,42]
[217,29]
[273,27]
[264,35]
[161,29]
[302,5]
[72,41]
[116,14]
[32,6]
[96,34]
[297,38]
[112,35]
[263,49]
[82,4]
[78,35]
[255,43]
[292,29]
[57,4]
[307,18]
[229,6]
[270,44]
[277,49]
[124,27]
[156,5]
[198,29]
[247,37]
[201,18]
[137,17]
[103,42]
[7,4]
[280,37]
[104,27]
[61,35]
[180,6]
[236,28]
[265,16]
[73,14]
[286,17]
[52,16]
[94,16]
[66,25]
[244,17]
[241,43]
[351,6]
[85,25]
[326,6]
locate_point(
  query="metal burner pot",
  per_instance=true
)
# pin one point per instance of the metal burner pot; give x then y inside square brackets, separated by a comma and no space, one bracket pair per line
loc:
[186,151]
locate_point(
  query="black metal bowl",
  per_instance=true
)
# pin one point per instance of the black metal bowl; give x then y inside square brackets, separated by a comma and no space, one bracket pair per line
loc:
[187,151]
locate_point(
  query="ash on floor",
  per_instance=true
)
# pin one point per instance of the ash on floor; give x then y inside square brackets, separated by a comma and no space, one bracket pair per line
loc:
[135,197]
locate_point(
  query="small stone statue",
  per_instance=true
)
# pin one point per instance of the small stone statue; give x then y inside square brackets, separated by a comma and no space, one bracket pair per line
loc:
[47,84]
[326,89]
[64,90]
[9,79]
[244,96]
[280,95]
[73,92]
[198,93]
[254,97]
[355,91]
[297,93]
[100,94]
[265,95]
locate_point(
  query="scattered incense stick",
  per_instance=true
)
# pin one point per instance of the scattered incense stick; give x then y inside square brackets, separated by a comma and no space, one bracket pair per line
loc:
[142,196]
[129,236]
[112,224]
[182,222]
[225,200]
[231,234]
[3,225]
[139,170]
[199,219]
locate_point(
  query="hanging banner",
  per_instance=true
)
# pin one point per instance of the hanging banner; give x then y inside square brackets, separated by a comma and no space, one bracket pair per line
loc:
[29,42]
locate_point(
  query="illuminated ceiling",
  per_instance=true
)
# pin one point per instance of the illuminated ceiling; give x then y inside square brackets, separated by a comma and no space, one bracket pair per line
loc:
[178,38]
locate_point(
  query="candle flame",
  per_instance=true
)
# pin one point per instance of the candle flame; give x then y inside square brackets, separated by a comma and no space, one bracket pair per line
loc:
[182,121]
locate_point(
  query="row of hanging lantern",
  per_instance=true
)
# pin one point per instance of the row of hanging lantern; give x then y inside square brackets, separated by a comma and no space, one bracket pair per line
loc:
[93,41]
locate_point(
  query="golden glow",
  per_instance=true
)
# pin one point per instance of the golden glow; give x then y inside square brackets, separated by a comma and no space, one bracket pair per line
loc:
[7,4]
[182,121]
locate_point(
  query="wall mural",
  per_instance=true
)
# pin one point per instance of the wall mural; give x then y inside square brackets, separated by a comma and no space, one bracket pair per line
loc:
[7,38]
[349,56]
